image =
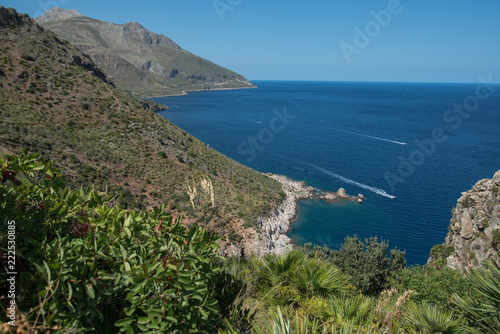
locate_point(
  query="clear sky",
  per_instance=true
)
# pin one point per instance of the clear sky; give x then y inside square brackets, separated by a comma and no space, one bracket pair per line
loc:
[333,40]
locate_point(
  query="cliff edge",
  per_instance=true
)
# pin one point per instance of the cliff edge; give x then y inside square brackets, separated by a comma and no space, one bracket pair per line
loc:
[474,231]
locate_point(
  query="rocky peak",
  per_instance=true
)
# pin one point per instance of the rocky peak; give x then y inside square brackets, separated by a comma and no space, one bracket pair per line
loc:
[58,14]
[148,36]
[9,17]
[474,231]
[134,25]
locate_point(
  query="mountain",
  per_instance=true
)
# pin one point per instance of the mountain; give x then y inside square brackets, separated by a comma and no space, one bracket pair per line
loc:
[474,231]
[140,61]
[54,100]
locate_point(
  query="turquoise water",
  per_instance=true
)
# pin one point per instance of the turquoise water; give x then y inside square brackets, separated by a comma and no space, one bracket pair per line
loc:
[384,140]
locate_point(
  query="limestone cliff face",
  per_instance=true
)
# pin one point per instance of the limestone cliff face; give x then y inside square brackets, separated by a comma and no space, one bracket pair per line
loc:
[475,228]
[272,238]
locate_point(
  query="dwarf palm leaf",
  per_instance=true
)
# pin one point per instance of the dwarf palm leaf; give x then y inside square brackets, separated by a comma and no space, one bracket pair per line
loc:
[428,318]
[279,323]
[275,275]
[483,314]
[316,278]
[345,307]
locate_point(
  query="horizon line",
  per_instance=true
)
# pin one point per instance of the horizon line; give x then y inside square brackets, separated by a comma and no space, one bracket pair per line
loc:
[370,81]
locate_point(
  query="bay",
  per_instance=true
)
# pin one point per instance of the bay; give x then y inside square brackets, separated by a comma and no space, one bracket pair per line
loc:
[422,143]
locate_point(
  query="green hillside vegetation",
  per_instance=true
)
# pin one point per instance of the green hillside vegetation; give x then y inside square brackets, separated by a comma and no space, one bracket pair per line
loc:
[87,265]
[140,61]
[55,101]
[113,219]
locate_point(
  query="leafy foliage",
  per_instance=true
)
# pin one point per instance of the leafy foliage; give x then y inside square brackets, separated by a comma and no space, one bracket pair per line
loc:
[428,318]
[367,263]
[482,314]
[84,264]
[354,308]
[294,277]
[432,285]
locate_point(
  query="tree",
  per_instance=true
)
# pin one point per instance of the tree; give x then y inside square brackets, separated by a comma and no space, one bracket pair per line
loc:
[367,263]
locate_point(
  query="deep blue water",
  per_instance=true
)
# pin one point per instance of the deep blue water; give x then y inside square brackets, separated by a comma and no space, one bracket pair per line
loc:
[350,135]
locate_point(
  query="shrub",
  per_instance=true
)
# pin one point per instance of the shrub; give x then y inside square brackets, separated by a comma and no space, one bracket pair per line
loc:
[428,318]
[366,262]
[294,277]
[27,57]
[496,237]
[90,266]
[442,251]
[435,286]
[482,313]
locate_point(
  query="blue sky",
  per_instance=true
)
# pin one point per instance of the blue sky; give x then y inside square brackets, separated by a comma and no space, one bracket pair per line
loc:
[425,40]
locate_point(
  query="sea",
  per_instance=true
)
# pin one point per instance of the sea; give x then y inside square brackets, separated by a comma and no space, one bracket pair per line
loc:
[410,148]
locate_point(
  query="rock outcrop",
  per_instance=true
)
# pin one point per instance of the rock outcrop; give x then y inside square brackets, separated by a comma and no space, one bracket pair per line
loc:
[339,195]
[474,232]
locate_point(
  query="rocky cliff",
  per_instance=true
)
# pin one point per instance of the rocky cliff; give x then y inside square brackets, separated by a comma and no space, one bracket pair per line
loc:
[474,231]
[273,229]
[140,61]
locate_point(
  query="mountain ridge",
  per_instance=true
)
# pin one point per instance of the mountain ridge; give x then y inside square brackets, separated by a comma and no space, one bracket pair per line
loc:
[55,101]
[140,61]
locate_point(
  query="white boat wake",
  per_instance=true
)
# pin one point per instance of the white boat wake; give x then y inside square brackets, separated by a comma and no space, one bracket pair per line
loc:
[373,137]
[361,185]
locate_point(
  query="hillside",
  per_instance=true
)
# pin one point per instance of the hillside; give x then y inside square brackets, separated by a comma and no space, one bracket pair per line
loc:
[54,100]
[140,61]
[474,231]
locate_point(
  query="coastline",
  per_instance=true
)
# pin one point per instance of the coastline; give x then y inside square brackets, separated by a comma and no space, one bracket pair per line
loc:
[273,228]
[185,92]
[271,237]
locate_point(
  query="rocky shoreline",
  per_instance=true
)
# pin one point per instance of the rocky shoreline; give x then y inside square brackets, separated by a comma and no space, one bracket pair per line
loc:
[272,235]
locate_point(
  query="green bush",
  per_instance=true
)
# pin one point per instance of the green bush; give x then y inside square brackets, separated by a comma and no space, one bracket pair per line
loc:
[496,237]
[436,287]
[27,57]
[366,262]
[482,313]
[87,265]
